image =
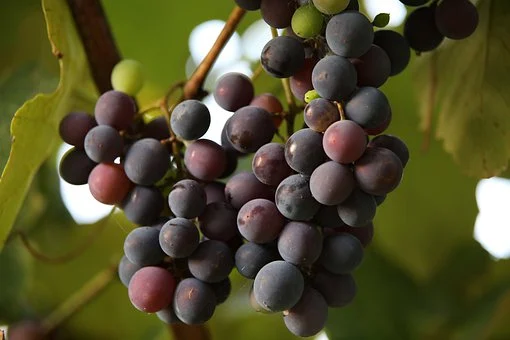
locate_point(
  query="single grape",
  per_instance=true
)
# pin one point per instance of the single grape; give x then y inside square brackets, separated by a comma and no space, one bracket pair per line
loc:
[358,209]
[334,78]
[337,289]
[211,262]
[74,127]
[232,159]
[349,34]
[218,221]
[353,5]
[396,48]
[300,243]
[277,13]
[222,290]
[126,270]
[420,30]
[190,119]
[127,76]
[307,21]
[251,257]
[194,301]
[141,246]
[116,109]
[368,107]
[244,187]
[301,81]
[282,56]
[249,128]
[304,152]
[260,221]
[167,315]
[331,6]
[271,104]
[373,68]
[378,171]
[381,128]
[151,289]
[327,217]
[364,234]
[331,183]
[179,238]
[108,183]
[308,317]
[269,164]
[341,253]
[75,167]
[278,286]
[344,141]
[187,199]
[157,129]
[320,113]
[394,144]
[249,5]
[215,192]
[146,161]
[456,19]
[103,144]
[205,159]
[294,199]
[143,205]
[233,91]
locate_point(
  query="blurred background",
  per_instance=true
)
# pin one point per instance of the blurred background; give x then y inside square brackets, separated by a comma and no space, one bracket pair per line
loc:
[437,266]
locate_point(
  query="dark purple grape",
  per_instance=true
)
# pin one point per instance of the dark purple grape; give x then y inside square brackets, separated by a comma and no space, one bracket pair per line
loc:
[205,159]
[331,183]
[308,317]
[187,199]
[260,221]
[75,167]
[215,192]
[141,247]
[194,301]
[304,152]
[218,221]
[373,68]
[301,81]
[251,257]
[103,144]
[249,128]
[378,171]
[337,289]
[282,56]
[358,209]
[341,253]
[420,30]
[294,199]
[456,19]
[344,141]
[320,113]
[167,315]
[143,205]
[278,286]
[269,164]
[249,5]
[396,47]
[116,109]
[244,187]
[368,107]
[190,119]
[327,217]
[414,3]
[334,78]
[151,289]
[147,161]
[157,129]
[300,243]
[222,290]
[126,270]
[277,13]
[271,104]
[179,238]
[108,183]
[232,159]
[74,127]
[394,144]
[353,5]
[364,234]
[211,262]
[349,34]
[233,91]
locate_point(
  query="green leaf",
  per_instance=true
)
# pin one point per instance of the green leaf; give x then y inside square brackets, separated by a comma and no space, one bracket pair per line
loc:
[469,89]
[35,125]
[381,20]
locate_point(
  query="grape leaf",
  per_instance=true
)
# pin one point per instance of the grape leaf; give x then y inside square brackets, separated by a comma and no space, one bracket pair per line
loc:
[469,90]
[35,125]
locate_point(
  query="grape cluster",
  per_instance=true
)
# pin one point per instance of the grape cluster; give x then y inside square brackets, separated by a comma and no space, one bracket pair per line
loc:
[298,222]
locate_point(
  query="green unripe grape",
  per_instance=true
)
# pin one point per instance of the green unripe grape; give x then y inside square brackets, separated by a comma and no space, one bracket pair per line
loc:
[311,95]
[307,21]
[331,6]
[127,76]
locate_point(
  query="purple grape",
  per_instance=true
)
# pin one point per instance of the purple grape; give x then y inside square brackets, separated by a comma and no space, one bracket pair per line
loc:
[358,209]
[373,68]
[190,119]
[146,161]
[349,34]
[187,199]
[143,205]
[194,301]
[251,257]
[378,171]
[308,317]
[394,144]
[74,127]
[420,30]
[368,107]
[320,113]
[244,187]
[331,183]
[218,221]
[249,128]
[233,91]
[456,19]
[269,164]
[277,13]
[141,246]
[304,152]
[75,167]
[341,253]
[116,109]
[211,262]
[179,238]
[300,243]
[337,289]
[205,159]
[282,56]
[260,221]
[344,141]
[103,144]
[294,199]
[334,78]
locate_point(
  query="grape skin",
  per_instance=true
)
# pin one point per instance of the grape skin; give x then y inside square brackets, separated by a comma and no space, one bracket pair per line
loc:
[334,78]
[294,199]
[304,152]
[74,127]
[278,286]
[141,246]
[151,289]
[308,317]
[282,56]
[394,144]
[126,270]
[187,199]
[396,47]
[368,107]
[300,243]
[143,205]
[146,161]
[420,30]
[190,119]
[349,34]
[358,209]
[75,167]
[211,262]
[103,144]
[456,19]
[341,253]
[249,128]
[338,290]
[108,183]
[331,183]
[269,164]
[244,187]
[218,221]
[194,301]
[205,159]
[373,68]
[116,109]
[251,257]
[178,238]
[344,141]
[260,221]
[301,81]
[157,129]
[320,113]
[233,91]
[277,13]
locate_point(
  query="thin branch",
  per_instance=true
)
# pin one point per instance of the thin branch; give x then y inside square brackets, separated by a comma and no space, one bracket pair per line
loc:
[193,86]
[97,39]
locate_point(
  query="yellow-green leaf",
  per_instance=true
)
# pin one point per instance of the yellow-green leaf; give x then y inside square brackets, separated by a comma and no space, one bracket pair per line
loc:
[34,128]
[469,89]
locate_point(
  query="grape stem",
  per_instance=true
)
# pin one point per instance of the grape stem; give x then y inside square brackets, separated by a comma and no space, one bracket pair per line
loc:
[193,87]
[341,111]
[92,26]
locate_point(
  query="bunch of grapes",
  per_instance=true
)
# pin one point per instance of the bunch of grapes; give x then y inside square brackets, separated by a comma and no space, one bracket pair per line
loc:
[298,222]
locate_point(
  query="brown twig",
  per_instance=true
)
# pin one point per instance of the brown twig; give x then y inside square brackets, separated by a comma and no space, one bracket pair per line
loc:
[97,39]
[193,86]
